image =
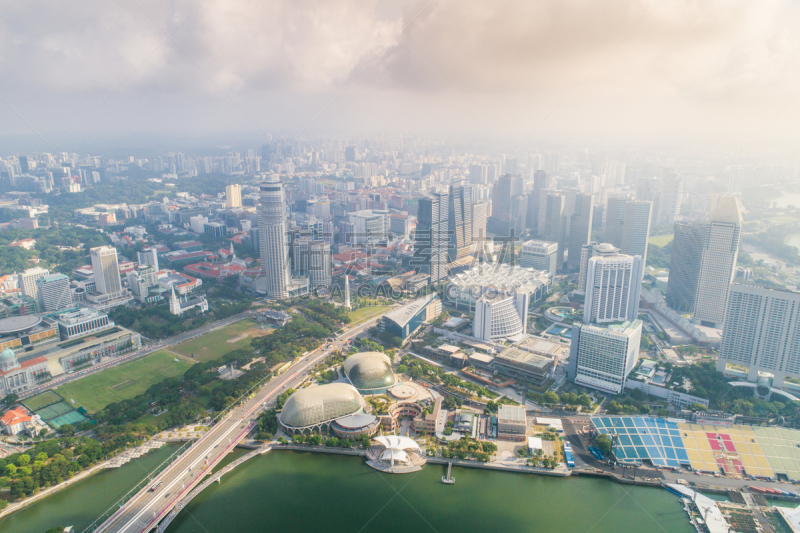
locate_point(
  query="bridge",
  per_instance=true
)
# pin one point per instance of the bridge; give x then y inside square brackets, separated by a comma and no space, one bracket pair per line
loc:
[156,500]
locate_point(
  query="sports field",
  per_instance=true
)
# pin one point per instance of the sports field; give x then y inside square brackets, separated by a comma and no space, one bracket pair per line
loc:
[661,240]
[122,382]
[365,313]
[221,341]
[48,397]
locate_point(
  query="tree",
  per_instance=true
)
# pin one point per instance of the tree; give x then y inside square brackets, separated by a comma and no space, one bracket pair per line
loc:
[23,460]
[11,470]
[585,400]
[550,397]
[604,443]
[10,399]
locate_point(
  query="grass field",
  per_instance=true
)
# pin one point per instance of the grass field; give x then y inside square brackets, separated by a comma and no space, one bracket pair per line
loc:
[122,382]
[365,313]
[661,240]
[48,397]
[214,344]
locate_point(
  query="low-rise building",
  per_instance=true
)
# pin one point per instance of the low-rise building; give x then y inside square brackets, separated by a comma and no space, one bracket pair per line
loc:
[524,365]
[512,423]
[82,322]
[17,377]
[17,420]
[405,321]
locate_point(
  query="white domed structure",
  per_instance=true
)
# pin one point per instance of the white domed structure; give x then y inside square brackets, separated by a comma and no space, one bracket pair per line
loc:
[316,407]
[395,454]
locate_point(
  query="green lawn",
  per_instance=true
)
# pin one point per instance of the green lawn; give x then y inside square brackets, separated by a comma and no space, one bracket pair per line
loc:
[215,344]
[48,397]
[661,240]
[365,313]
[122,382]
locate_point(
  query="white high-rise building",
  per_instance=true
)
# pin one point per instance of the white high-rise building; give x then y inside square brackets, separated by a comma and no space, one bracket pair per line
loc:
[274,240]
[602,357]
[636,228]
[233,195]
[613,287]
[54,293]
[501,315]
[540,255]
[479,216]
[28,279]
[106,271]
[718,265]
[762,332]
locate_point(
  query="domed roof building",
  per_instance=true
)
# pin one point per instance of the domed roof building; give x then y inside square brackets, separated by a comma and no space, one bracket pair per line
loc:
[370,372]
[8,360]
[316,407]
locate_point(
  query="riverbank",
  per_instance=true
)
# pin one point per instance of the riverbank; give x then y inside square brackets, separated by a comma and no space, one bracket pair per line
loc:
[117,461]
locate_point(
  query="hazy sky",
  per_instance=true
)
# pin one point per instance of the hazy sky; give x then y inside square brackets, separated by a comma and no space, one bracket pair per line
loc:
[721,72]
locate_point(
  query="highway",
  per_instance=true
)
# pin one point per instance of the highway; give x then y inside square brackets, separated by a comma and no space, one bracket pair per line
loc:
[149,506]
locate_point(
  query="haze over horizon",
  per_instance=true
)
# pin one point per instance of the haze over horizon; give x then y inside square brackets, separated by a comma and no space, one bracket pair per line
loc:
[717,74]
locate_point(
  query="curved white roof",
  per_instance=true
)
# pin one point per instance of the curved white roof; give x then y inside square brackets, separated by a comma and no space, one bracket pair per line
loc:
[398,443]
[391,455]
[316,405]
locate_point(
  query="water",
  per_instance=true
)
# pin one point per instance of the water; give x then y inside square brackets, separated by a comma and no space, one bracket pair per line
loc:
[80,504]
[292,492]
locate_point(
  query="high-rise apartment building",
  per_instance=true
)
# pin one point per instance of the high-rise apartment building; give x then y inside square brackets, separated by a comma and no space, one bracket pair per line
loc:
[636,228]
[106,271]
[540,255]
[580,231]
[28,279]
[602,357]
[684,266]
[762,332]
[313,258]
[588,251]
[54,293]
[615,218]
[273,237]
[613,288]
[459,221]
[233,195]
[720,251]
[431,240]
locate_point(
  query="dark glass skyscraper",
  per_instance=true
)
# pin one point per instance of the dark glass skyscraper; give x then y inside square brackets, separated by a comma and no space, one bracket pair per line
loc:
[459,221]
[431,240]
[580,229]
[684,266]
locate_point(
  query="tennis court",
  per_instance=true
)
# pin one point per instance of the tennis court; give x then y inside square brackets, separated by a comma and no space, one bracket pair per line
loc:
[40,401]
[54,411]
[73,417]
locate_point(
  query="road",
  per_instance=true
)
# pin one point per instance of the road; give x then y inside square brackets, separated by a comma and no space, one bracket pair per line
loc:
[149,506]
[150,348]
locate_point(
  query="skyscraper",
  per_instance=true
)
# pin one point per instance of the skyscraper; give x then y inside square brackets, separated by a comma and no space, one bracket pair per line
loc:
[615,218]
[552,220]
[479,215]
[541,182]
[762,332]
[636,228]
[720,251]
[27,281]
[684,266]
[273,237]
[233,195]
[519,211]
[106,271]
[670,198]
[540,255]
[507,187]
[319,264]
[613,287]
[580,231]
[459,221]
[431,240]
[541,221]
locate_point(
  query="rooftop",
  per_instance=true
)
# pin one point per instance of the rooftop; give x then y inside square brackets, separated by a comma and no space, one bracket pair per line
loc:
[404,314]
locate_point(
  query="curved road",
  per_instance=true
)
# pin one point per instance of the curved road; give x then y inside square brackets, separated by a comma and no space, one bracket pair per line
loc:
[149,506]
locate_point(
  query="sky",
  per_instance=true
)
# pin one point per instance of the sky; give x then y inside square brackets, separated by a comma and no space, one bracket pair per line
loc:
[721,73]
